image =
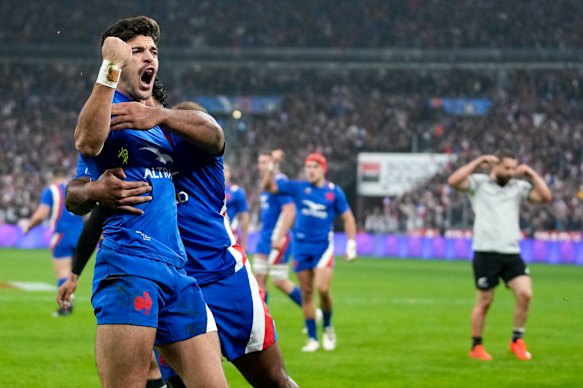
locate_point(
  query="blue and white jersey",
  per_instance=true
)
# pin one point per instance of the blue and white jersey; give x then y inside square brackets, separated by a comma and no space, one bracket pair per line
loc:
[61,220]
[144,156]
[204,227]
[317,207]
[271,205]
[236,202]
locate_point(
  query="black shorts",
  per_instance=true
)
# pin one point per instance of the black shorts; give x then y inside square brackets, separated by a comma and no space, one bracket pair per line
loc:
[489,266]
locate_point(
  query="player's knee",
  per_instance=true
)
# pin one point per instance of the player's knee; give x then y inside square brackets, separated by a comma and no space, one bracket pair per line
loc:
[524,296]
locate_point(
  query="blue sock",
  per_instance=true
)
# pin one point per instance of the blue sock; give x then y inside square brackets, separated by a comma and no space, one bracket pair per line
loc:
[327,318]
[296,295]
[311,326]
[61,281]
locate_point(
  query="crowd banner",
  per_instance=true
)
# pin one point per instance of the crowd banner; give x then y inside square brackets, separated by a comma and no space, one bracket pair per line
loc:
[392,174]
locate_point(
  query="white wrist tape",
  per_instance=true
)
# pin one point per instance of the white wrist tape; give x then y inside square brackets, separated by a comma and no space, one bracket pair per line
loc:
[108,74]
[351,249]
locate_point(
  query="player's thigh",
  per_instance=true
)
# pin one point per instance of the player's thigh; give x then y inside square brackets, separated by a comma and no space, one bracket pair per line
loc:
[260,266]
[123,353]
[323,278]
[263,368]
[197,360]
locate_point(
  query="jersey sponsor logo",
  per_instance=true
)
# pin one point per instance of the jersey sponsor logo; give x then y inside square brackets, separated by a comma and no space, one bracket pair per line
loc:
[123,154]
[143,303]
[314,209]
[157,173]
[483,282]
[164,158]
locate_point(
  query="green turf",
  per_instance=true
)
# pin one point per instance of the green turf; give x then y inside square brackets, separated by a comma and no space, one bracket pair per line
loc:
[400,323]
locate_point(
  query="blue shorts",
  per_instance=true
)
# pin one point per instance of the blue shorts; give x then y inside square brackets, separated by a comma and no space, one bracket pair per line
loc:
[131,290]
[308,256]
[243,320]
[264,248]
[63,244]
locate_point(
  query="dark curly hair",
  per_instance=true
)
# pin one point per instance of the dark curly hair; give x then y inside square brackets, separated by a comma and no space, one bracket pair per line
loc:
[125,29]
[159,93]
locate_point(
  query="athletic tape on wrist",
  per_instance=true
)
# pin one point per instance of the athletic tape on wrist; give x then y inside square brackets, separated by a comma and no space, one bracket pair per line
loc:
[108,74]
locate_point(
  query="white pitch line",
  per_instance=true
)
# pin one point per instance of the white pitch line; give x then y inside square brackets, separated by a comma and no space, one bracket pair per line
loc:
[410,301]
[33,286]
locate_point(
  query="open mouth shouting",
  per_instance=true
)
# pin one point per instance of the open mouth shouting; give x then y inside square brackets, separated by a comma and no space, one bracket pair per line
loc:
[147,78]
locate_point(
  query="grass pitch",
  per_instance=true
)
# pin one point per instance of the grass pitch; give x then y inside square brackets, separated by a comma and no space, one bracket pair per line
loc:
[400,323]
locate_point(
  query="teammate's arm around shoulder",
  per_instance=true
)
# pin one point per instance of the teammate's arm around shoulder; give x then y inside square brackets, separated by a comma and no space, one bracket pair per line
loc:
[94,121]
[185,120]
[459,179]
[540,192]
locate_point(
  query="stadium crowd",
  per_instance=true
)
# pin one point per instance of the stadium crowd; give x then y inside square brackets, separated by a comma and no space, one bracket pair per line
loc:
[324,23]
[535,113]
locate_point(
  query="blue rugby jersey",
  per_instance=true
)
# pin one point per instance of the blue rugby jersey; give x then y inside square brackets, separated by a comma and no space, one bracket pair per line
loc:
[61,220]
[271,205]
[144,156]
[236,201]
[204,227]
[317,207]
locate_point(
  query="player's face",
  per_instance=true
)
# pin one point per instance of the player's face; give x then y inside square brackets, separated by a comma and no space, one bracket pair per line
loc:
[314,172]
[505,170]
[137,77]
[263,162]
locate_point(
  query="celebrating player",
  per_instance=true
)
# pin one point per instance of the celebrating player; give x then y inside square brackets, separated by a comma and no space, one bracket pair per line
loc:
[141,294]
[495,199]
[246,330]
[318,202]
[65,225]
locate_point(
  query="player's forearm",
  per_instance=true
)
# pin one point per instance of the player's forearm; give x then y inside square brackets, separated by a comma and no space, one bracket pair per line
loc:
[541,187]
[244,219]
[460,175]
[268,182]
[78,198]
[94,121]
[288,216]
[349,226]
[197,127]
[88,241]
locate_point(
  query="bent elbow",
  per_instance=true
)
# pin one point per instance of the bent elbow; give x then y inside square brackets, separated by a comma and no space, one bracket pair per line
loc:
[86,149]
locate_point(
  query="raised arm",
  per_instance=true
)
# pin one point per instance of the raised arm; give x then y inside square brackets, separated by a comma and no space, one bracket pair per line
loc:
[39,215]
[459,179]
[195,126]
[540,192]
[110,190]
[94,121]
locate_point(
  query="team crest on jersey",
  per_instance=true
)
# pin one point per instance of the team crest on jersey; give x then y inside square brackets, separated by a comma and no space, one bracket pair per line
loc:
[143,303]
[164,158]
[124,155]
[330,196]
[308,190]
